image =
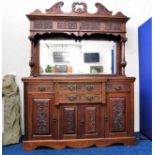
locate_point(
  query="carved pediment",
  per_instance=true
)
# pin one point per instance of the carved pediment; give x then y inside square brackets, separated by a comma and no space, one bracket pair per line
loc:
[79,8]
[120,14]
[101,9]
[55,8]
[37,11]
[78,21]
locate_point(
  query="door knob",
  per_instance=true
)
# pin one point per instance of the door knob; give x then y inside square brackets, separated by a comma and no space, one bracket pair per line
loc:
[54,120]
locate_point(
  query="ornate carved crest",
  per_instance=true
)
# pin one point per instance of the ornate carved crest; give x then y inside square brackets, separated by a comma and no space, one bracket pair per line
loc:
[79,7]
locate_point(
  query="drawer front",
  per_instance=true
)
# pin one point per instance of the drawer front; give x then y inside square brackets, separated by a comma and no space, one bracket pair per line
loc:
[118,87]
[80,87]
[41,87]
[68,98]
[80,98]
[67,87]
[89,87]
[91,98]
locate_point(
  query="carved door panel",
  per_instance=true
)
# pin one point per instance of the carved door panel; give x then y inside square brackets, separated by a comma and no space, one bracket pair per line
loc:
[90,119]
[42,117]
[68,121]
[117,115]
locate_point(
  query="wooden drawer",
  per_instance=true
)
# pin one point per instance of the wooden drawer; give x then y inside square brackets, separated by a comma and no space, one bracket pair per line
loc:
[79,87]
[40,87]
[67,87]
[68,98]
[91,98]
[89,87]
[117,87]
[80,98]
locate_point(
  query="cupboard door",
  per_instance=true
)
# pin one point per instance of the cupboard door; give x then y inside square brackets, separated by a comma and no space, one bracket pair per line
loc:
[42,117]
[90,121]
[117,114]
[68,121]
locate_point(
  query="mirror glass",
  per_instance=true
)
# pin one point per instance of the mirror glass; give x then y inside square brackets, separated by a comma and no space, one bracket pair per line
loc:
[84,57]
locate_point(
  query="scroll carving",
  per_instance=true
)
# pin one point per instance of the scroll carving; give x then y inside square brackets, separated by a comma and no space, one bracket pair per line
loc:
[79,7]
[118,110]
[55,8]
[101,9]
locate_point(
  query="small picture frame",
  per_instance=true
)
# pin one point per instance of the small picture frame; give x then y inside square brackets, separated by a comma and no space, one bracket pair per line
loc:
[96,69]
[61,68]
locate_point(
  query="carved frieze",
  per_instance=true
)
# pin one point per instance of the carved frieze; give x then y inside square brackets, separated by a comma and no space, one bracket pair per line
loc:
[113,26]
[90,26]
[67,25]
[43,24]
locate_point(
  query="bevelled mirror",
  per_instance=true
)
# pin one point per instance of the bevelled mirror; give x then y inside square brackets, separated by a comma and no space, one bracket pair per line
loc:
[71,57]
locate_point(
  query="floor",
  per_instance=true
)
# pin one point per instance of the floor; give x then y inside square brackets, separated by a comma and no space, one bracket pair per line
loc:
[143,147]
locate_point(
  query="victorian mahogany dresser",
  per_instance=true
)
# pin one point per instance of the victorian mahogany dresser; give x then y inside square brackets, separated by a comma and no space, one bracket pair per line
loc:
[77,94]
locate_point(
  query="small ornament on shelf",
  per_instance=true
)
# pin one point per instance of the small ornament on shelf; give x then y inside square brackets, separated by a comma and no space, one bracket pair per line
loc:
[48,69]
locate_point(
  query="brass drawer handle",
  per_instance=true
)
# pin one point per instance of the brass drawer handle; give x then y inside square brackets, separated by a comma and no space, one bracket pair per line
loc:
[82,122]
[105,117]
[72,88]
[90,98]
[72,98]
[41,88]
[89,88]
[54,120]
[118,88]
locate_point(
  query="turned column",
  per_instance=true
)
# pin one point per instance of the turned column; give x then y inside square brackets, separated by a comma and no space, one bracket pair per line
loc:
[31,62]
[123,61]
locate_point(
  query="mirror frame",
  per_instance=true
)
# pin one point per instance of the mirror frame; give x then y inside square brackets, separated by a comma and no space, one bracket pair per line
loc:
[78,25]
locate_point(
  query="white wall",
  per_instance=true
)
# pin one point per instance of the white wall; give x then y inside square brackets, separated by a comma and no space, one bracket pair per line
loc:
[16,46]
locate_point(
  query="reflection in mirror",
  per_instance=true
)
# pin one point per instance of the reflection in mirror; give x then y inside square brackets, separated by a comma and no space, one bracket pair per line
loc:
[84,57]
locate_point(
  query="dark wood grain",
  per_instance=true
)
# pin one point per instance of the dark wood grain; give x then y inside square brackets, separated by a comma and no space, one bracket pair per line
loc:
[78,110]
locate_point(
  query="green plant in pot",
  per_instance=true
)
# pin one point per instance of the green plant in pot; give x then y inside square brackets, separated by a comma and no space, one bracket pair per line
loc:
[48,69]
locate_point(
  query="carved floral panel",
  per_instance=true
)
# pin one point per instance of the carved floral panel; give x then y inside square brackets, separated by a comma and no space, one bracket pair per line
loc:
[69,116]
[118,114]
[41,116]
[91,119]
